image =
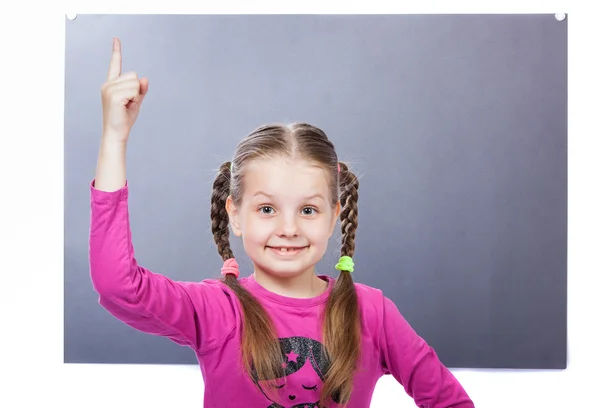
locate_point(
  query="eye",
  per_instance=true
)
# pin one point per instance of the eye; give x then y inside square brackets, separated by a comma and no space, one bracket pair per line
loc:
[263,209]
[309,388]
[309,210]
[278,386]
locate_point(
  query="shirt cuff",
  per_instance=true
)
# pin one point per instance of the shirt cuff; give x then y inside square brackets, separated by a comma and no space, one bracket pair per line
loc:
[109,197]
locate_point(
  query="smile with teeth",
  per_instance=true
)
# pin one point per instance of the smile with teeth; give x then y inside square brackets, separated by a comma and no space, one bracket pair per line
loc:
[286,250]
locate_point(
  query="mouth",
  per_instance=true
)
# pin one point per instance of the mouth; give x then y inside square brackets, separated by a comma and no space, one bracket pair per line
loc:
[287,250]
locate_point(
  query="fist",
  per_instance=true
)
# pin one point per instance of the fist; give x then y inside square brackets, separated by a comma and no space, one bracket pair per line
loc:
[122,96]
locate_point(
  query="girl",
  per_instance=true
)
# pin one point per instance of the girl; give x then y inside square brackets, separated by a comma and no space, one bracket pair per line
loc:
[283,336]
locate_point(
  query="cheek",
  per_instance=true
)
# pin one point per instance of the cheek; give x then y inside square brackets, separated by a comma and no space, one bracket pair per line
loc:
[255,230]
[319,232]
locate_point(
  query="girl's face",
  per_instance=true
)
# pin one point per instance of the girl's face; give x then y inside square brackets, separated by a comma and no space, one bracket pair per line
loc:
[285,218]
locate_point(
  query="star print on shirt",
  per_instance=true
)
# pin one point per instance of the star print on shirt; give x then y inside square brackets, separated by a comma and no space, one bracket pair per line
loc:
[292,356]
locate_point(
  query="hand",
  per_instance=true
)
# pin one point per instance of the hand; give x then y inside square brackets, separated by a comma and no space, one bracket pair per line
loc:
[122,96]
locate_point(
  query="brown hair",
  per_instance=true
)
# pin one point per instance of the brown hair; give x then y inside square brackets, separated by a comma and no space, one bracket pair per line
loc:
[261,352]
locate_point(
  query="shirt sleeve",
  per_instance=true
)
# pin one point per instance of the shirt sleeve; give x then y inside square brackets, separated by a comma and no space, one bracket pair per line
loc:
[194,314]
[416,366]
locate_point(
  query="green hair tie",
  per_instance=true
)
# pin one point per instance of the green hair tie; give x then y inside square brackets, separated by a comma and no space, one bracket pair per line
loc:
[345,264]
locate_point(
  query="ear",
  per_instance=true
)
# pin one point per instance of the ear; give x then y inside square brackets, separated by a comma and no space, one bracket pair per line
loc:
[233,213]
[336,215]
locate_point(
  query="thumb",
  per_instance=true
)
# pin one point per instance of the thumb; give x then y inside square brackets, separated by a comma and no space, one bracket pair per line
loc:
[143,86]
[143,91]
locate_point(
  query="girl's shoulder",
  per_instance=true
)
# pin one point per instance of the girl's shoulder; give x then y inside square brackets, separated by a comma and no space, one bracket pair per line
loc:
[372,303]
[369,297]
[365,290]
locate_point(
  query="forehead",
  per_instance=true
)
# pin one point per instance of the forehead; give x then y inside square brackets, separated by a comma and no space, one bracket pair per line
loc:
[285,177]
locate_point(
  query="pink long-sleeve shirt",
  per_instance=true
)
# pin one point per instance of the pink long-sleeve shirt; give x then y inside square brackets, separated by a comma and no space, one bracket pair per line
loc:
[206,316]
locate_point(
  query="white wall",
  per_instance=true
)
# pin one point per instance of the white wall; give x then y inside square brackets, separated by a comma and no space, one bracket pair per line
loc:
[31,278]
[174,386]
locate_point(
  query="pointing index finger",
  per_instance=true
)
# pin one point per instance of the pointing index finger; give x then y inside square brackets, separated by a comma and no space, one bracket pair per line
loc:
[114,69]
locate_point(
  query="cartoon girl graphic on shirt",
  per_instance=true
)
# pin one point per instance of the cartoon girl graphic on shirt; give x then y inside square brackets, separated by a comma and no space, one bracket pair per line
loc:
[304,369]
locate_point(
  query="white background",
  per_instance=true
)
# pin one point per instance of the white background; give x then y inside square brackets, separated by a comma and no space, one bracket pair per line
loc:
[31,221]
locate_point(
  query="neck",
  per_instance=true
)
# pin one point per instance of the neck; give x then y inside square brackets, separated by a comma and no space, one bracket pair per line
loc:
[303,286]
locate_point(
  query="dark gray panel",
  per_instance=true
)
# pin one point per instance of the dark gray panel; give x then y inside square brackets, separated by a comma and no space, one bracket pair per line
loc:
[456,124]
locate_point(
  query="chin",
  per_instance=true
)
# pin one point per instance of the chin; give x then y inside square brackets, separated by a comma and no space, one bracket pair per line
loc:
[283,271]
[284,268]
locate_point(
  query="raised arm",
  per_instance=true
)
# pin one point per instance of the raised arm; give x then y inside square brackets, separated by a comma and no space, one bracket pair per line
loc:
[144,300]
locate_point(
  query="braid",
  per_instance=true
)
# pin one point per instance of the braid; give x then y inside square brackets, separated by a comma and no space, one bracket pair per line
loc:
[349,214]
[342,329]
[261,352]
[218,212]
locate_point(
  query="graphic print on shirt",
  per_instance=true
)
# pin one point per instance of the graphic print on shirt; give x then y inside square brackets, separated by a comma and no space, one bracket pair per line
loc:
[304,369]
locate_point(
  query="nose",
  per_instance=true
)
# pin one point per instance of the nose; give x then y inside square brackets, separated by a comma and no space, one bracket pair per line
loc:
[292,397]
[288,226]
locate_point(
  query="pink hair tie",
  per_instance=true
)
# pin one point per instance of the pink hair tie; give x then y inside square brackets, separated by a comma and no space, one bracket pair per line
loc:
[339,170]
[230,267]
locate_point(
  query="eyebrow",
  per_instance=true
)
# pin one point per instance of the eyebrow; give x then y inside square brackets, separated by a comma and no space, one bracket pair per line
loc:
[270,196]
